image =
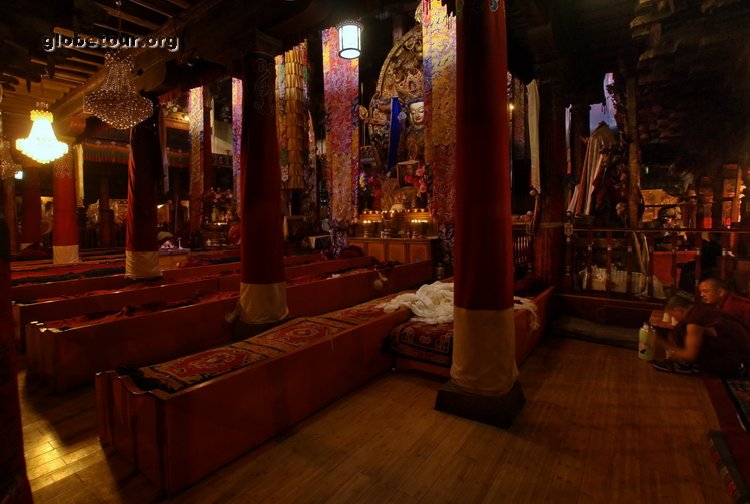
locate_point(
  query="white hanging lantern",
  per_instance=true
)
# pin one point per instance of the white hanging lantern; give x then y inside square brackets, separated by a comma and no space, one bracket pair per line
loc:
[350,39]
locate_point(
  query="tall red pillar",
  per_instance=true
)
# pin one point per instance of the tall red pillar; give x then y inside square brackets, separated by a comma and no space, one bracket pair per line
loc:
[106,215]
[14,485]
[31,208]
[262,287]
[9,203]
[144,172]
[65,223]
[483,383]
[550,241]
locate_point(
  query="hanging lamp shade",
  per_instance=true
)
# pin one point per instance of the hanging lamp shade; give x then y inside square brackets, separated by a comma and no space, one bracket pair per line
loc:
[41,145]
[117,102]
[350,39]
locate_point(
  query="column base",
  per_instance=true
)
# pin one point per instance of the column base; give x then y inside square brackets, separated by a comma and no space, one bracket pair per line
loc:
[499,411]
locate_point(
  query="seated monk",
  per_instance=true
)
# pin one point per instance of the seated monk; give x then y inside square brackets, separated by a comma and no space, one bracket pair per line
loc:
[714,292]
[715,341]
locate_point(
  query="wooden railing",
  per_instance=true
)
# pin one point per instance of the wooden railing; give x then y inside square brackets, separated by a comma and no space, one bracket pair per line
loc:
[607,259]
[523,250]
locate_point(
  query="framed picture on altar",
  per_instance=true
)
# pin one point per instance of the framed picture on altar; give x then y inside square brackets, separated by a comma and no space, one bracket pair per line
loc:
[404,169]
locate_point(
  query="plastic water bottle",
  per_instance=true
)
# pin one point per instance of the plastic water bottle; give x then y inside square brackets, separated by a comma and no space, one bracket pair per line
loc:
[646,336]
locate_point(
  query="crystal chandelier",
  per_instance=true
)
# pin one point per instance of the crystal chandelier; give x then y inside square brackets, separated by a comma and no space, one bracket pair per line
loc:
[41,145]
[117,102]
[8,167]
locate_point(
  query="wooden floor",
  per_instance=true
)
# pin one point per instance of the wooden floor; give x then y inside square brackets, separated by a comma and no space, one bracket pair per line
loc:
[599,426]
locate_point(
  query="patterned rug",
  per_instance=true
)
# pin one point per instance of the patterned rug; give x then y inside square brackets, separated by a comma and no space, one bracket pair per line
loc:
[722,457]
[739,391]
[424,342]
[290,336]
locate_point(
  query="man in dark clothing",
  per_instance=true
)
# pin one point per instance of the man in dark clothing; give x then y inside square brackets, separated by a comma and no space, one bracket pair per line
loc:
[716,341]
[714,292]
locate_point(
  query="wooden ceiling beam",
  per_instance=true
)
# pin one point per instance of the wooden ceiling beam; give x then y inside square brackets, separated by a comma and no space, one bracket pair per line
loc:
[85,61]
[129,17]
[71,76]
[70,33]
[154,8]
[114,30]
[68,66]
[182,4]
[49,95]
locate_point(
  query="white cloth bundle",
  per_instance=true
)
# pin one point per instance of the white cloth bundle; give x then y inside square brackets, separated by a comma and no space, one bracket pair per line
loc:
[433,304]
[520,303]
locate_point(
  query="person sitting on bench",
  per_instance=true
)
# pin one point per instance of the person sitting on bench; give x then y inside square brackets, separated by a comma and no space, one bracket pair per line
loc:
[714,292]
[715,341]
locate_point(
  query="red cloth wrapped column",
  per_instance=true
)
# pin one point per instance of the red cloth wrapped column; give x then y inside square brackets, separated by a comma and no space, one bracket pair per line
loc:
[144,172]
[484,370]
[9,203]
[31,207]
[262,287]
[65,223]
[14,486]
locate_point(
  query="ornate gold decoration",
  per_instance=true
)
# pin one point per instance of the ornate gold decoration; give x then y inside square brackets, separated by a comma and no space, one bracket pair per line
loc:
[402,77]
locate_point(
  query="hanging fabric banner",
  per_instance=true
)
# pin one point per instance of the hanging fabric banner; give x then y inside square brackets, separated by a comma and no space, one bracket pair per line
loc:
[236,138]
[292,106]
[439,67]
[195,110]
[533,117]
[78,168]
[341,85]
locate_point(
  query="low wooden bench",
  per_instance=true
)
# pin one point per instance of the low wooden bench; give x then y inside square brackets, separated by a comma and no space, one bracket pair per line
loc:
[170,288]
[68,358]
[428,347]
[263,385]
[31,292]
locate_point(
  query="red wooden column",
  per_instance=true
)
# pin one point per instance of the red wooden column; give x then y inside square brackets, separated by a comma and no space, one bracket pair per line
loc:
[106,215]
[31,208]
[550,241]
[144,172]
[262,287]
[9,204]
[14,486]
[483,383]
[65,223]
